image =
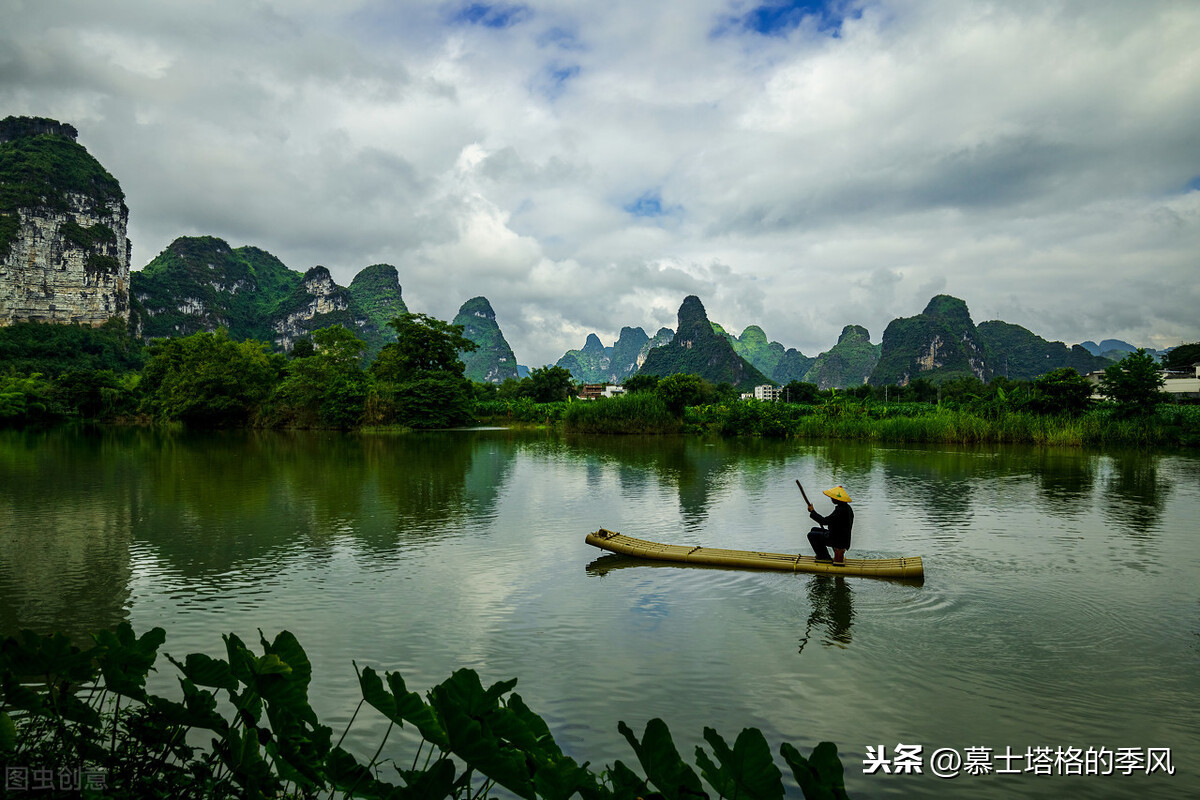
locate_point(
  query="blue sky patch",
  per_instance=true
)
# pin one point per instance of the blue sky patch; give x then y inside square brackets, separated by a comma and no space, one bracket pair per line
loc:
[650,205]
[778,17]
[1193,185]
[552,81]
[498,15]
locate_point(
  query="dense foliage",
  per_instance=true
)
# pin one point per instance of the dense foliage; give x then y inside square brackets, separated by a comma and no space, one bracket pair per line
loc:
[1134,384]
[418,379]
[208,380]
[1183,357]
[49,373]
[243,726]
[28,347]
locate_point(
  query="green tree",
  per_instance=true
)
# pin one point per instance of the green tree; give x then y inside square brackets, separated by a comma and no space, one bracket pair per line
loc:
[548,385]
[207,380]
[96,394]
[1183,357]
[325,389]
[679,391]
[801,392]
[27,401]
[1134,384]
[424,346]
[641,383]
[418,379]
[1061,391]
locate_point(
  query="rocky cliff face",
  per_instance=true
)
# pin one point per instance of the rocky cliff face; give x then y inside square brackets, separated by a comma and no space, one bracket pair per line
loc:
[494,361]
[317,303]
[64,254]
[938,344]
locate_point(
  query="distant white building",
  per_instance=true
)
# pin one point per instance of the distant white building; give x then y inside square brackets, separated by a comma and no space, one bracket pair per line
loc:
[1182,384]
[768,392]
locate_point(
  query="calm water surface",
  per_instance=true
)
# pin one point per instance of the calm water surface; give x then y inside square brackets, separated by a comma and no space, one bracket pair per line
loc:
[1060,605]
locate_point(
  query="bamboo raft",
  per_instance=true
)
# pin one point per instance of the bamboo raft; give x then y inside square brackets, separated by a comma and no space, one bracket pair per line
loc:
[613,542]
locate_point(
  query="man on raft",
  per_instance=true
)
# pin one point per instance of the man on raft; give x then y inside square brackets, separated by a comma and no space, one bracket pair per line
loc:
[839,524]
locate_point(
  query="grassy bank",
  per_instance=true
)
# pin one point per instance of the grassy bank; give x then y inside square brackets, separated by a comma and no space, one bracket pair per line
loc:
[1169,426]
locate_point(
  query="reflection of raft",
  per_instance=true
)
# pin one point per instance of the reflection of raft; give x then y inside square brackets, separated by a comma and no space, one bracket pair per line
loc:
[748,559]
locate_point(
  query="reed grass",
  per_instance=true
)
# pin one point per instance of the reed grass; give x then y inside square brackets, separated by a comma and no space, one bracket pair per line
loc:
[636,413]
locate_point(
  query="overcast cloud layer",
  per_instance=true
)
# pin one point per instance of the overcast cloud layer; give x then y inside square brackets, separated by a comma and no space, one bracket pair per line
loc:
[585,166]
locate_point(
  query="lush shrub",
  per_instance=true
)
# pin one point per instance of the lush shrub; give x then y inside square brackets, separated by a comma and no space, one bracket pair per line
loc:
[244,727]
[207,380]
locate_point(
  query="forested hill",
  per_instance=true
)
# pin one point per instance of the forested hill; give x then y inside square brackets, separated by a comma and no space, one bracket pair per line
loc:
[942,343]
[1020,354]
[697,349]
[848,363]
[200,283]
[493,361]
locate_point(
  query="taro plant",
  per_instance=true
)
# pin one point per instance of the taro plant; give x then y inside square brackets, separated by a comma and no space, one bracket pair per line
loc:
[244,728]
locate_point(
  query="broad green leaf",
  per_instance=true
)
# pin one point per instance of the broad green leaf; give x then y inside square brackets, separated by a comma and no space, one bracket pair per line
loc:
[747,772]
[560,778]
[664,767]
[462,706]
[626,784]
[400,705]
[8,733]
[819,777]
[436,783]
[271,665]
[125,660]
[346,775]
[204,670]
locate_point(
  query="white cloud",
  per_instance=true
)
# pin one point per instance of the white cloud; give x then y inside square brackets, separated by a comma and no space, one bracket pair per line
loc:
[1031,159]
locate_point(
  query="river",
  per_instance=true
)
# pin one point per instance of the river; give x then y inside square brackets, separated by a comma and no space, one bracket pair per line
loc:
[1060,607]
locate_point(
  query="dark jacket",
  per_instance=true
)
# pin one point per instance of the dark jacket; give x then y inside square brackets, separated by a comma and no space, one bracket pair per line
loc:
[839,524]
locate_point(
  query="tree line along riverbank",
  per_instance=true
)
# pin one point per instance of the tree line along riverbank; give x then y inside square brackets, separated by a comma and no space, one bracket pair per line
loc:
[51,374]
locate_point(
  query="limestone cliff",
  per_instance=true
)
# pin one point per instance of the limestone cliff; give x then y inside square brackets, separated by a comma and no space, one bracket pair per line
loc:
[64,254]
[316,303]
[938,344]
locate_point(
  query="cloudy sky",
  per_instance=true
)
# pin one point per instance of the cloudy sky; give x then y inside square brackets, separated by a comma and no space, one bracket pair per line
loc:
[586,165]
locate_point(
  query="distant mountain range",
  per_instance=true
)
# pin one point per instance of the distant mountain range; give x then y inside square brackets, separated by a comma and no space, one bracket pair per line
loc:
[64,257]
[201,283]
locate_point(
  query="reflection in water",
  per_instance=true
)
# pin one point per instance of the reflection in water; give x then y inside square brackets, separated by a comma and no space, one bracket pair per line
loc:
[942,481]
[214,505]
[698,470]
[1064,480]
[1133,492]
[832,606]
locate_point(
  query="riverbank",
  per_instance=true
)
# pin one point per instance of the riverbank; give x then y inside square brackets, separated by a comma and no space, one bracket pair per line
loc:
[1169,426]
